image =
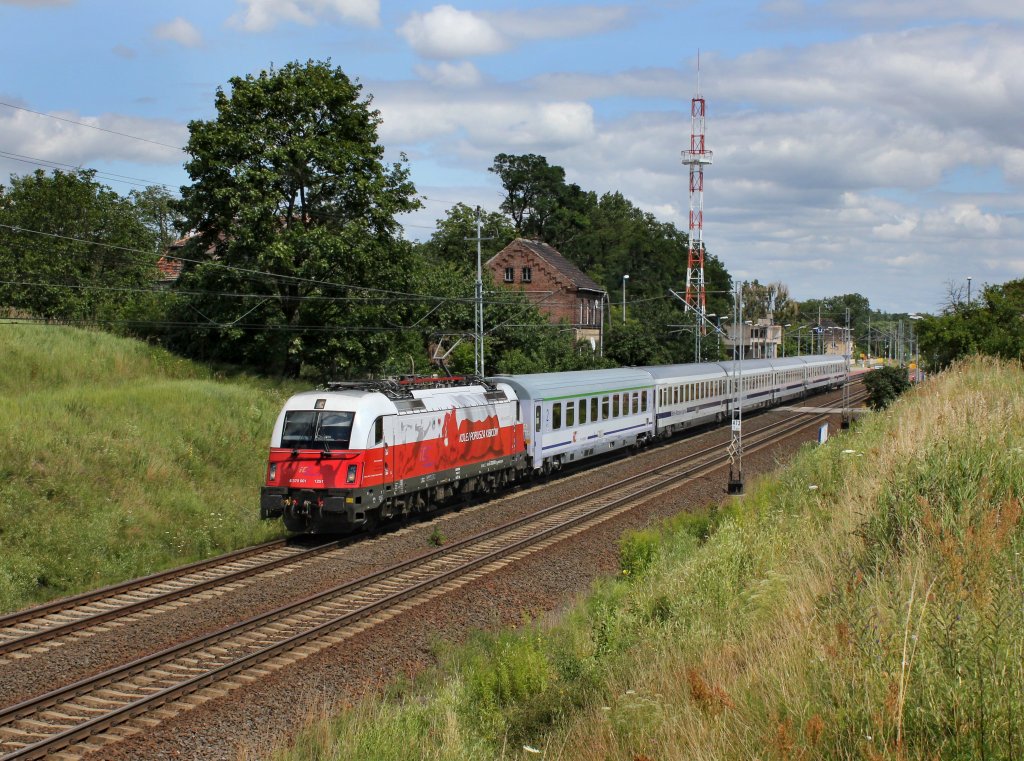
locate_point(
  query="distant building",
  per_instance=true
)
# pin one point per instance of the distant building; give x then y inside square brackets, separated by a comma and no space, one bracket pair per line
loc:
[559,288]
[761,339]
[168,266]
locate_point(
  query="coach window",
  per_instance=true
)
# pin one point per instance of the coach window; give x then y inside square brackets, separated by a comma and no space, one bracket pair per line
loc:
[556,416]
[636,402]
[675,395]
[536,419]
[643,402]
[378,431]
[570,414]
[615,405]
[583,411]
[593,409]
[604,408]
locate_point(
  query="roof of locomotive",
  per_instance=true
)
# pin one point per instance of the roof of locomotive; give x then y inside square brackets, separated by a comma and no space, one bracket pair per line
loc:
[575,382]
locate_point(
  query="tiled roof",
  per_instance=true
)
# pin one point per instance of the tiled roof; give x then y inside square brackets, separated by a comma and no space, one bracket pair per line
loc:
[559,262]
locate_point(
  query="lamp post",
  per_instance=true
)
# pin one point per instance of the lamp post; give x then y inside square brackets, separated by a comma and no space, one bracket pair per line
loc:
[624,279]
[969,290]
[914,348]
[787,325]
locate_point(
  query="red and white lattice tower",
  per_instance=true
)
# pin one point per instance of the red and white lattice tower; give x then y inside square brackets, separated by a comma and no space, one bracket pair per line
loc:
[696,158]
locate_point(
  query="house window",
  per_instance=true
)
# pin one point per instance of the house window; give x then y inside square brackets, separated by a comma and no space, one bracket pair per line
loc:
[527,274]
[510,274]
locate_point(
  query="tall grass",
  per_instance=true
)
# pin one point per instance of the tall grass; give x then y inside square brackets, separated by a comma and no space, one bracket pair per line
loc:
[864,603]
[118,459]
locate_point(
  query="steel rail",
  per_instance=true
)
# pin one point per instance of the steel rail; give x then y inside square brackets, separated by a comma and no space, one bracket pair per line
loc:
[68,605]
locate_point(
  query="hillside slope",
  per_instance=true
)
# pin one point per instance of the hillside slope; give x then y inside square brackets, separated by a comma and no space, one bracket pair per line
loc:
[118,459]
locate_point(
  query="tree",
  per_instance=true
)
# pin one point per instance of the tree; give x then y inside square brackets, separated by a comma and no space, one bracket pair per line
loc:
[532,190]
[72,249]
[154,207]
[884,385]
[290,189]
[453,240]
[991,324]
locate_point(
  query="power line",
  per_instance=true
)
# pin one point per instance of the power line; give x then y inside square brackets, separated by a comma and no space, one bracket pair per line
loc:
[256,295]
[93,126]
[103,174]
[383,293]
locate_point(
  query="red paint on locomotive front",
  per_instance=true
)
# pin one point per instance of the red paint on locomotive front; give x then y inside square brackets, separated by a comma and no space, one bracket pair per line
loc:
[313,469]
[463,443]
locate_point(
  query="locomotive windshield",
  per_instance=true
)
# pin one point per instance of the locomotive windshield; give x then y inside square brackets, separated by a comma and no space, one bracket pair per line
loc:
[319,429]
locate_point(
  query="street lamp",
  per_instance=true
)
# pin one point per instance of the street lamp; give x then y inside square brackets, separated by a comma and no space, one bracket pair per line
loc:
[624,279]
[787,325]
[914,348]
[969,290]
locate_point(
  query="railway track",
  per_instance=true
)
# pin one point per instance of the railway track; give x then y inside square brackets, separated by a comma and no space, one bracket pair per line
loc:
[46,623]
[81,717]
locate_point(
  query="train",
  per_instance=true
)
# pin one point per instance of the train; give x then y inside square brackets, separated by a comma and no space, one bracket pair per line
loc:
[356,453]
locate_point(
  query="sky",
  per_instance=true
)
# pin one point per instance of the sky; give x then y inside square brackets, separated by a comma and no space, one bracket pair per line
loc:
[859,146]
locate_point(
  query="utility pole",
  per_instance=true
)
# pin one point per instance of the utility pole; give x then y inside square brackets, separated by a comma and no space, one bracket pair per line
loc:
[736,443]
[478,307]
[845,422]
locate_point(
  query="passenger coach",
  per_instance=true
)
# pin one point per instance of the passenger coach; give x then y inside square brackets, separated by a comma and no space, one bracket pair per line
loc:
[572,415]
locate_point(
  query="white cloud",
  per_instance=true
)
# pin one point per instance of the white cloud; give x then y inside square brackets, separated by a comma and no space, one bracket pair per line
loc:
[33,135]
[264,15]
[446,32]
[180,31]
[463,74]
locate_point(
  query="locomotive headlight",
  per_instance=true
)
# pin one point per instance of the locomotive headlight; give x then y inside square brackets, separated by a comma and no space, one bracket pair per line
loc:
[351,477]
[272,476]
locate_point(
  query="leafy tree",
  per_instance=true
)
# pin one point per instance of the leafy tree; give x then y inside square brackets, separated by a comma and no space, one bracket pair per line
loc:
[885,385]
[454,239]
[155,208]
[289,180]
[992,324]
[530,187]
[92,244]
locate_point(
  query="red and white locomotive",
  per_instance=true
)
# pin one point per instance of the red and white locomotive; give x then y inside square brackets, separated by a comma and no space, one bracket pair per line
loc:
[355,452]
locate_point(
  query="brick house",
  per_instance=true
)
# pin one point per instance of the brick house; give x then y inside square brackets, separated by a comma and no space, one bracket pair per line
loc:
[558,287]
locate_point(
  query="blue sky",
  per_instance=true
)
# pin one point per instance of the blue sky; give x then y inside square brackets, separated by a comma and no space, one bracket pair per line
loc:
[873,146]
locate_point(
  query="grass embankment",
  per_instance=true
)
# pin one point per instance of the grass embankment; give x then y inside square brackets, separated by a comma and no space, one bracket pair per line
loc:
[865,603]
[118,459]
